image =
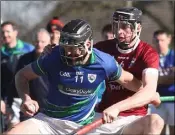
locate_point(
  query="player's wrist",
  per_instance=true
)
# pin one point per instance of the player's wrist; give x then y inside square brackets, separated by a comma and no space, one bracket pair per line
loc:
[116,108]
[121,106]
[26,98]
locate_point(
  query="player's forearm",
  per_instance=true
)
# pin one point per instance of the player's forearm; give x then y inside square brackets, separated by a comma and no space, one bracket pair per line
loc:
[139,99]
[22,86]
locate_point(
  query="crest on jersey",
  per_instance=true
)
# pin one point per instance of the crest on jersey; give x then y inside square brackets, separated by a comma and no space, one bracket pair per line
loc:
[132,62]
[92,77]
[122,64]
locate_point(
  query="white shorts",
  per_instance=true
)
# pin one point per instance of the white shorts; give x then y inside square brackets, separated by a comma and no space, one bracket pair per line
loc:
[48,125]
[16,110]
[166,111]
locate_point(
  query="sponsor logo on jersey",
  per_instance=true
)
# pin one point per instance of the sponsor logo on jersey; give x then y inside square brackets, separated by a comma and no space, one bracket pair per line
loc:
[92,77]
[65,74]
[116,87]
[75,91]
[123,58]
[79,73]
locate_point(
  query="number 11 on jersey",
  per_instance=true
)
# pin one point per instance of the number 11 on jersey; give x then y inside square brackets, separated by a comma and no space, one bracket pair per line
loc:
[79,78]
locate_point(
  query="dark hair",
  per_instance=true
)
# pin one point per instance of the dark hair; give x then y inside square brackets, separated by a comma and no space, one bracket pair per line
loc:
[107,28]
[160,32]
[10,23]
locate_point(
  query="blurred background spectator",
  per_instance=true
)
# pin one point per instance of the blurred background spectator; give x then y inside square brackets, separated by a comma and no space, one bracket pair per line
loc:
[166,86]
[12,49]
[54,27]
[107,33]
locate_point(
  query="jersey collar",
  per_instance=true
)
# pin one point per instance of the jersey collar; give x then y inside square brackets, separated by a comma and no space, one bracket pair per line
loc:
[92,59]
[128,50]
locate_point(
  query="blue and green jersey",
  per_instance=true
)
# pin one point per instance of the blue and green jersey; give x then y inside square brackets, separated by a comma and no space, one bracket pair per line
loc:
[73,90]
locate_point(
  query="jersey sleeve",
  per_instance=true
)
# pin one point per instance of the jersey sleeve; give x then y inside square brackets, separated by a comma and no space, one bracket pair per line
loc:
[151,59]
[41,65]
[114,70]
[99,46]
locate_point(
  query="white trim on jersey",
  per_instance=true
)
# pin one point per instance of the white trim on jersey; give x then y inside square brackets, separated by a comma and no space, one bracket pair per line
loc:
[90,111]
[85,117]
[150,71]
[128,50]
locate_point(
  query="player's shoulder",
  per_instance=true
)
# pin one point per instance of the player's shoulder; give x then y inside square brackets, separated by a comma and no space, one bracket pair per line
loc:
[55,51]
[101,55]
[103,58]
[105,45]
[106,61]
[53,56]
[147,49]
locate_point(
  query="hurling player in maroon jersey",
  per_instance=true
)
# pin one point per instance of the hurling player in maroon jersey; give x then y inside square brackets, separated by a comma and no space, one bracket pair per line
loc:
[142,61]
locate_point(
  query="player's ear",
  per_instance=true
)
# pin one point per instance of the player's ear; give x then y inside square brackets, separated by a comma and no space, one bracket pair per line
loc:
[88,43]
[139,27]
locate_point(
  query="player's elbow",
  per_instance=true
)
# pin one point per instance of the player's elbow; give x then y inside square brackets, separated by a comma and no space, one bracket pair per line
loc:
[126,77]
[150,90]
[26,74]
[20,76]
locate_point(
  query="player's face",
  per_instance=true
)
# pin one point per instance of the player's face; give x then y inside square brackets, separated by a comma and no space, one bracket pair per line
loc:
[73,55]
[123,31]
[8,34]
[74,51]
[162,41]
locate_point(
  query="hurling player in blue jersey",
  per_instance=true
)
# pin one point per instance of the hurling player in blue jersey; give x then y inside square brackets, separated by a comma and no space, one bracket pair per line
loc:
[75,71]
